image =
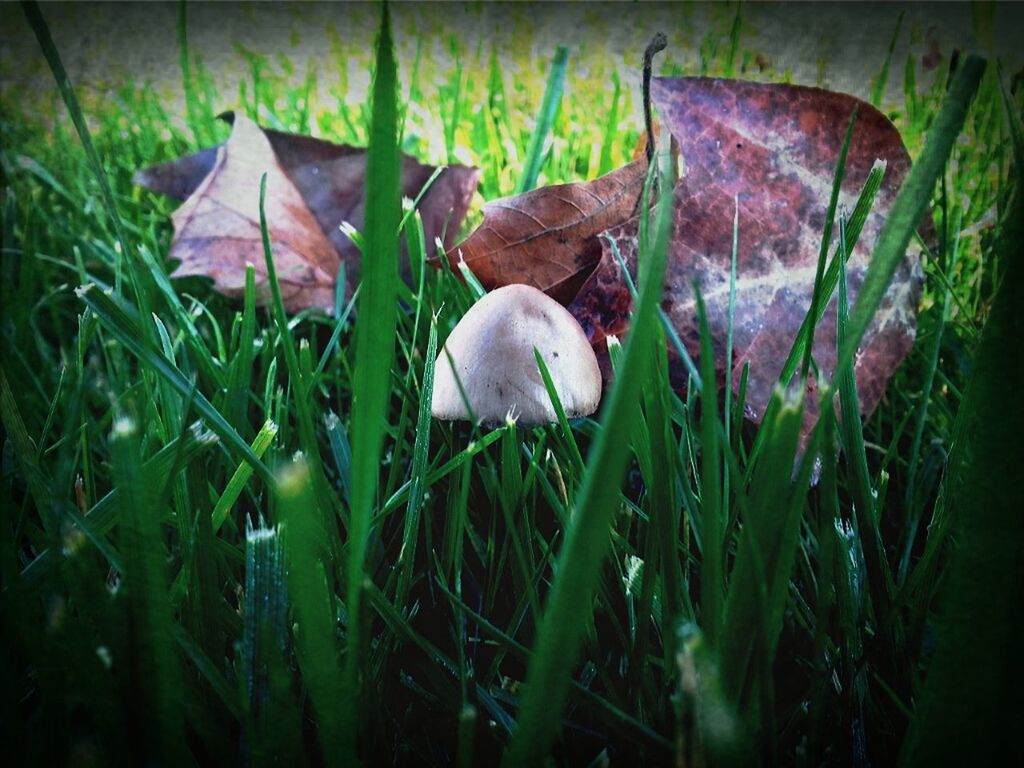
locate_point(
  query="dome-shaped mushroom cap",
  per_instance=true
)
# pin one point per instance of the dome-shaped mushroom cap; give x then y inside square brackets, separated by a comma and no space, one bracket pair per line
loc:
[492,350]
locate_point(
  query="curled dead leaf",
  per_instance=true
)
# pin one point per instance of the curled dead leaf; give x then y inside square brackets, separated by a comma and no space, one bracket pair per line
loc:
[547,238]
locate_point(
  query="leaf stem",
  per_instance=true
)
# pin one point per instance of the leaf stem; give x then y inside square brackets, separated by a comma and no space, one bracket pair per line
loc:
[658,43]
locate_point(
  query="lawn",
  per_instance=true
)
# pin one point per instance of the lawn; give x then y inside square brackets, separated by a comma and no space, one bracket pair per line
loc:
[235,534]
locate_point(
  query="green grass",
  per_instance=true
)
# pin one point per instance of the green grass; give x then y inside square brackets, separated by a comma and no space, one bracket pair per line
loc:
[231,534]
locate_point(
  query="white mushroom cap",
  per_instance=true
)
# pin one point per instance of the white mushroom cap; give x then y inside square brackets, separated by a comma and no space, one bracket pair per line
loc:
[492,350]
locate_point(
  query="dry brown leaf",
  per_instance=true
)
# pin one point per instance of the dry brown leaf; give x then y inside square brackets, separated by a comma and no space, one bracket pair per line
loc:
[547,237]
[178,178]
[331,178]
[217,229]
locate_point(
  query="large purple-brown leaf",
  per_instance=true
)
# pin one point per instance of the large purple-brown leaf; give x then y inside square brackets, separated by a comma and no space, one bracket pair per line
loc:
[330,179]
[217,229]
[547,237]
[774,148]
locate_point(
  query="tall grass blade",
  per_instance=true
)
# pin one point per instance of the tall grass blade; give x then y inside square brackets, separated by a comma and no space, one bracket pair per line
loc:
[611,129]
[418,472]
[103,515]
[341,452]
[273,717]
[616,717]
[556,403]
[42,33]
[187,85]
[316,635]
[970,706]
[878,87]
[826,240]
[154,667]
[664,502]
[586,539]
[298,382]
[712,513]
[375,352]
[910,204]
[830,280]
[25,451]
[238,480]
[240,372]
[208,669]
[758,588]
[545,120]
[852,433]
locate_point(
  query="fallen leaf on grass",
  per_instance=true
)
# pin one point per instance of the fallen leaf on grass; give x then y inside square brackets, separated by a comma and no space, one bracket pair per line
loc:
[312,187]
[548,237]
[774,148]
[217,229]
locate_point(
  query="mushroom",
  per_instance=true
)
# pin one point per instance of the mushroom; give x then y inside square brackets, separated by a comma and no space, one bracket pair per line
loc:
[491,349]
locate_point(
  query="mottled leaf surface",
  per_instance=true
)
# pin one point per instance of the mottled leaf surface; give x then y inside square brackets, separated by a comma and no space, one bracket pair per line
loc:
[548,237]
[217,229]
[774,149]
[181,177]
[332,179]
[329,180]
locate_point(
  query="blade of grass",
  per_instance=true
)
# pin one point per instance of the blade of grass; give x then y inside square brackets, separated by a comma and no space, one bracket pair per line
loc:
[27,456]
[103,515]
[664,502]
[238,480]
[912,497]
[730,328]
[236,394]
[187,86]
[712,519]
[418,471]
[475,287]
[825,587]
[299,384]
[667,325]
[852,434]
[67,91]
[273,720]
[878,87]
[208,669]
[317,637]
[830,280]
[375,352]
[471,450]
[563,421]
[910,204]
[611,129]
[545,119]
[826,239]
[569,605]
[766,551]
[633,726]
[154,669]
[970,705]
